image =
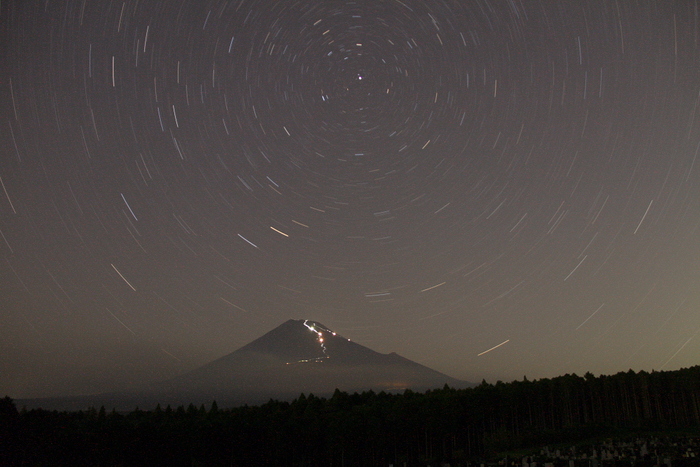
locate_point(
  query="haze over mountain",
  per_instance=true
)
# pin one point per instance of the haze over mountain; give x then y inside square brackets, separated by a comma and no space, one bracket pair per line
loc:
[306,356]
[299,356]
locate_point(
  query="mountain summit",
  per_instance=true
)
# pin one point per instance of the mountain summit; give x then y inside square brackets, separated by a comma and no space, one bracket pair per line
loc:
[299,356]
[305,356]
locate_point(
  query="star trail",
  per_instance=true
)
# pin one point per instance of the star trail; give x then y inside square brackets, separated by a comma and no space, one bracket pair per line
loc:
[433,178]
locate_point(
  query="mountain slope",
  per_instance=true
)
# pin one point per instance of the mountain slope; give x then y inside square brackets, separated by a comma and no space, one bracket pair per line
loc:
[306,356]
[299,356]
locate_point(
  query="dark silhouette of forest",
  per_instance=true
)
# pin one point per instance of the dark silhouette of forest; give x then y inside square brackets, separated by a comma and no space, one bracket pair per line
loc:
[444,425]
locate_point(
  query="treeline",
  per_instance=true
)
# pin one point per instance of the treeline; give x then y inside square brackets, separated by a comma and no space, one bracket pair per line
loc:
[445,425]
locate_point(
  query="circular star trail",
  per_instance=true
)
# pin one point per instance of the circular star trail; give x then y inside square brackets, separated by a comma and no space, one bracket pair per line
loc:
[489,188]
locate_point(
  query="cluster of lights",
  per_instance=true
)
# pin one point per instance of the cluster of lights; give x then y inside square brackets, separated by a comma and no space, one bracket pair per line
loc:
[319,333]
[312,328]
[308,360]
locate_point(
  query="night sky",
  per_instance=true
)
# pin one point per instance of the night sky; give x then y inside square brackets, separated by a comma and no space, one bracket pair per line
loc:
[494,189]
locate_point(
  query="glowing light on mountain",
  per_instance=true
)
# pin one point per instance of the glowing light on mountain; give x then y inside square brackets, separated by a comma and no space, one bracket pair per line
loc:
[319,338]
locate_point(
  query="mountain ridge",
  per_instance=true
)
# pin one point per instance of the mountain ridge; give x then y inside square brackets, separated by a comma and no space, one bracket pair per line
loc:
[310,357]
[298,356]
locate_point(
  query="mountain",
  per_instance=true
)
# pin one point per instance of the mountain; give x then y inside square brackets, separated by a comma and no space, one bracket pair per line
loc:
[299,356]
[306,356]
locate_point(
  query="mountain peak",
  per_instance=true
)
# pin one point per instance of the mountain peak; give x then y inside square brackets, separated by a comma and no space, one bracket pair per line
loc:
[298,356]
[295,340]
[303,355]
